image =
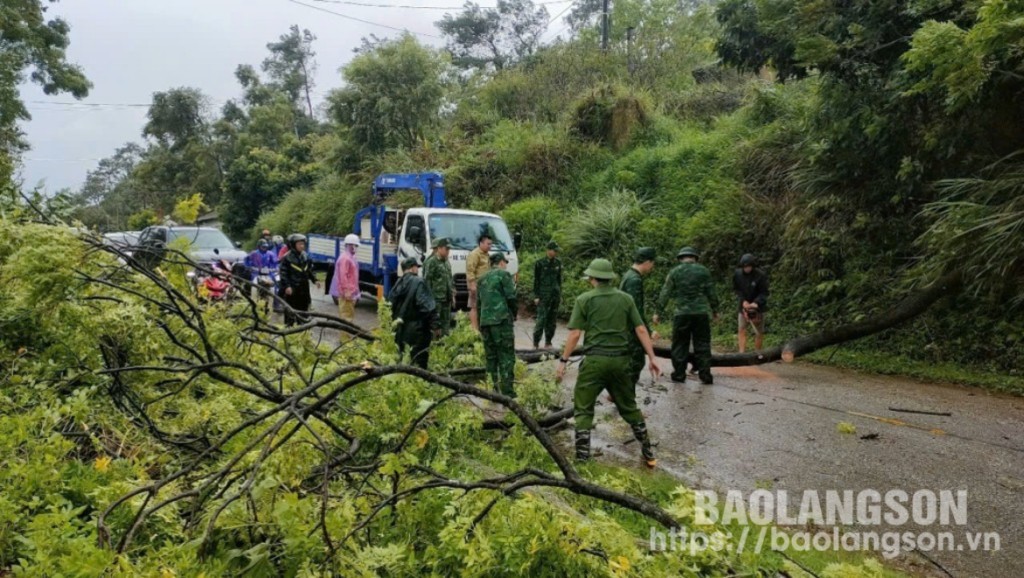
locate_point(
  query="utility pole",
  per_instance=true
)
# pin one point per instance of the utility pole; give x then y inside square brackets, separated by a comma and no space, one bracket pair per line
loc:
[605,20]
[629,49]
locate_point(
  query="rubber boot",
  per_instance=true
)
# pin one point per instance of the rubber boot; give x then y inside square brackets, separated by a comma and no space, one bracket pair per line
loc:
[640,432]
[582,445]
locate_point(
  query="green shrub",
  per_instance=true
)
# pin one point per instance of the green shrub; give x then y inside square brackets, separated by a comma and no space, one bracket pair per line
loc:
[513,161]
[609,116]
[607,228]
[705,102]
[329,207]
[536,218]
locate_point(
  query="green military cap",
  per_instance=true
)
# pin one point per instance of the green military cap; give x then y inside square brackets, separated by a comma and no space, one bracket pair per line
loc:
[600,269]
[644,254]
[553,246]
[688,252]
[410,262]
[498,257]
[439,242]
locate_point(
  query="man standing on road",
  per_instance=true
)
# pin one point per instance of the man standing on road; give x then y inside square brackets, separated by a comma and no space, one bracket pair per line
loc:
[609,318]
[437,272]
[345,284]
[547,292]
[498,308]
[633,285]
[296,275]
[415,314]
[751,287]
[477,263]
[689,285]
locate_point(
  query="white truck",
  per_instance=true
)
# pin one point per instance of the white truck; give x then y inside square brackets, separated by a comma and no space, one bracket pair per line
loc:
[389,235]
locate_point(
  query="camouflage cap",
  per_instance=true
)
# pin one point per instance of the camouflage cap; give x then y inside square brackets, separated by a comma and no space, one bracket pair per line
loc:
[410,262]
[439,242]
[553,246]
[498,257]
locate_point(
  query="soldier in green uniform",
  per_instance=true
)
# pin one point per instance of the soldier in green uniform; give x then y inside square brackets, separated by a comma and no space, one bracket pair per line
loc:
[437,272]
[689,285]
[633,285]
[547,291]
[496,299]
[610,319]
[415,313]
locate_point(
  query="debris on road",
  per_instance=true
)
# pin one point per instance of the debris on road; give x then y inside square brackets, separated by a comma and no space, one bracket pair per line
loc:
[921,411]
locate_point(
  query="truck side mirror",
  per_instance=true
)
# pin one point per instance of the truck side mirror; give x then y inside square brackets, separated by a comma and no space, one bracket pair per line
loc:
[517,240]
[416,235]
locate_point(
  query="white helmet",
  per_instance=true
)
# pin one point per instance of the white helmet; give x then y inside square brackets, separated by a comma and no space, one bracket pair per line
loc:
[352,239]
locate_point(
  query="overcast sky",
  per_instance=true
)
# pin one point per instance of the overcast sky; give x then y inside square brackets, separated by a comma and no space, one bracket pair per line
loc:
[130,49]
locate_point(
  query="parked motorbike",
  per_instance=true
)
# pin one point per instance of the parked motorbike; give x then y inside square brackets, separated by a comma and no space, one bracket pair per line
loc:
[266,281]
[213,283]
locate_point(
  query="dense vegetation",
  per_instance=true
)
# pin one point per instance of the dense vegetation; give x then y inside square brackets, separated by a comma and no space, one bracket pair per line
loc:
[145,435]
[861,150]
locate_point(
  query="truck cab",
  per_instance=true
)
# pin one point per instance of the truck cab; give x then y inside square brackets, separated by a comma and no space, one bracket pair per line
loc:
[388,235]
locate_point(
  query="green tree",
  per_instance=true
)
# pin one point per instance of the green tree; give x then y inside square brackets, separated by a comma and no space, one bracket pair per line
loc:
[494,37]
[29,41]
[184,157]
[108,195]
[393,95]
[261,176]
[176,117]
[292,64]
[187,210]
[750,39]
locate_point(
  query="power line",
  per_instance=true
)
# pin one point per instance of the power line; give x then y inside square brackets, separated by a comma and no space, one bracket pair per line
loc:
[557,16]
[378,24]
[91,104]
[33,160]
[419,7]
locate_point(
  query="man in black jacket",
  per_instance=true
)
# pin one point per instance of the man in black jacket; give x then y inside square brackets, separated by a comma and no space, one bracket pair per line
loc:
[415,314]
[296,272]
[751,287]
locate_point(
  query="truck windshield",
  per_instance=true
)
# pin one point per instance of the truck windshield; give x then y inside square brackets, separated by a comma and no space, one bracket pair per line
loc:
[202,238]
[463,231]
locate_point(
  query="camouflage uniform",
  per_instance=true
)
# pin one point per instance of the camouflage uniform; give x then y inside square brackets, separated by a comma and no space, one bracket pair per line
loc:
[412,303]
[633,285]
[496,293]
[608,318]
[690,286]
[547,289]
[437,273]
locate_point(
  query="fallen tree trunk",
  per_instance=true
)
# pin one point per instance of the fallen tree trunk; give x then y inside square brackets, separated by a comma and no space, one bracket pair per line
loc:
[910,307]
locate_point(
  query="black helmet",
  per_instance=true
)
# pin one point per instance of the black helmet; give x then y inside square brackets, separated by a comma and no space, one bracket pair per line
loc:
[295,238]
[262,244]
[748,260]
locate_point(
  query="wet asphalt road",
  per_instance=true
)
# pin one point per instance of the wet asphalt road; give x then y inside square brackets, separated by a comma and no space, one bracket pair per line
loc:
[775,427]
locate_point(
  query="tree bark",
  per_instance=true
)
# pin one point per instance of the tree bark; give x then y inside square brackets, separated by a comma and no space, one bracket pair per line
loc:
[910,307]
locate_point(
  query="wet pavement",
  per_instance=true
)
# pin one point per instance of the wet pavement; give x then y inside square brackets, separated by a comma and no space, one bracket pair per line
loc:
[775,427]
